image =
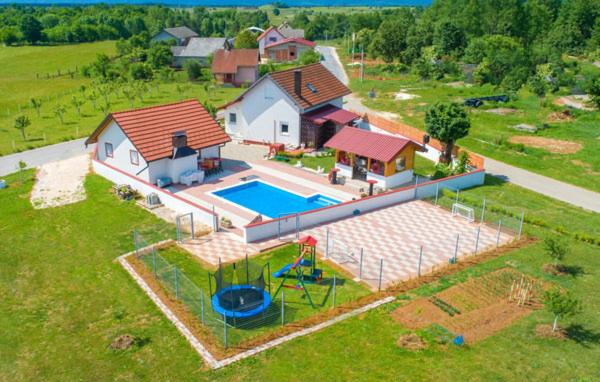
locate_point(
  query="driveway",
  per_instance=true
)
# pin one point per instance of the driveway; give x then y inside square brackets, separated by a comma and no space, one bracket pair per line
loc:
[553,188]
[43,155]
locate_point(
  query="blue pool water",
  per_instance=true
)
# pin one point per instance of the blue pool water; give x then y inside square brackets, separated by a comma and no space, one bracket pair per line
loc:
[272,201]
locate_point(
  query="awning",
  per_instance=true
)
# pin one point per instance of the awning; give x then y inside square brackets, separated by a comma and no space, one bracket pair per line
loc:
[382,147]
[330,113]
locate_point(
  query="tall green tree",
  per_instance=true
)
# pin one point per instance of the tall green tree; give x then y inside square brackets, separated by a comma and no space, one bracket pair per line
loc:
[31,29]
[447,122]
[36,103]
[245,40]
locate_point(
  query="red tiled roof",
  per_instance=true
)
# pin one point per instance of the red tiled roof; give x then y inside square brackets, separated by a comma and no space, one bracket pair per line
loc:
[330,113]
[366,143]
[327,86]
[228,61]
[297,40]
[263,34]
[151,129]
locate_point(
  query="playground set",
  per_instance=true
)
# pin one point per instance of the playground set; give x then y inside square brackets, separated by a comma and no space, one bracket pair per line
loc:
[241,292]
[307,259]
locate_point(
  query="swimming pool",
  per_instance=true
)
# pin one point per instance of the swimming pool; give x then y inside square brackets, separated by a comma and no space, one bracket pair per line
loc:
[271,201]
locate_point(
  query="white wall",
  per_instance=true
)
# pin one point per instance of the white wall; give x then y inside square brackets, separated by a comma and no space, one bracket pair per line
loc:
[210,152]
[265,40]
[246,74]
[395,180]
[260,113]
[121,152]
[170,200]
[180,165]
[308,219]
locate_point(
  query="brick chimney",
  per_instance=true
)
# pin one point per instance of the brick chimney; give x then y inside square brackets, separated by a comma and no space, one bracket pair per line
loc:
[298,82]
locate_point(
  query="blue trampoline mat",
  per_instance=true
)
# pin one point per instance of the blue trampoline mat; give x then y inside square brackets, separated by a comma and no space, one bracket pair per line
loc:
[261,307]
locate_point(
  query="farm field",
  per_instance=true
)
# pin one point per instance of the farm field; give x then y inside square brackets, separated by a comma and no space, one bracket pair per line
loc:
[47,128]
[567,149]
[64,295]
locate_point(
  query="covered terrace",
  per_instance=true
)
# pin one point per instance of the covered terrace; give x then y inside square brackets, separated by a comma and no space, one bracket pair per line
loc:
[318,126]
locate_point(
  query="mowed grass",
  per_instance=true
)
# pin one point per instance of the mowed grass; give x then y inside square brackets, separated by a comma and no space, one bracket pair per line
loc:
[64,300]
[297,305]
[490,132]
[47,128]
[20,65]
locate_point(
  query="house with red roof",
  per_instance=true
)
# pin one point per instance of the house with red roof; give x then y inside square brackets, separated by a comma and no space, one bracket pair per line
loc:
[298,107]
[155,142]
[383,159]
[235,66]
[283,43]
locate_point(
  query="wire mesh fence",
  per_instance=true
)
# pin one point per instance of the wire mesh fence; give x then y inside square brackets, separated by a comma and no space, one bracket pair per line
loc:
[228,329]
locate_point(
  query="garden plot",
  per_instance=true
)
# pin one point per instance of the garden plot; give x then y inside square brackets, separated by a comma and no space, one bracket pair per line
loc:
[476,308]
[59,183]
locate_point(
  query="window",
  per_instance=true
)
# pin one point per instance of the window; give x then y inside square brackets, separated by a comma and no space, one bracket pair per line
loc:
[292,54]
[311,87]
[134,157]
[232,118]
[108,149]
[272,39]
[400,164]
[284,128]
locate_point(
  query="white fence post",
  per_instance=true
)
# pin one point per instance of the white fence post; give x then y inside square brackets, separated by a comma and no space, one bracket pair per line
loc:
[498,233]
[456,248]
[420,260]
[360,266]
[521,225]
[380,273]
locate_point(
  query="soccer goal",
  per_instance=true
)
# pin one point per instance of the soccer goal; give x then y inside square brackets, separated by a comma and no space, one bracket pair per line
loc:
[463,211]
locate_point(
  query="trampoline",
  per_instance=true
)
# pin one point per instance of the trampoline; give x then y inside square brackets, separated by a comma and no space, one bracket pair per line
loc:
[240,290]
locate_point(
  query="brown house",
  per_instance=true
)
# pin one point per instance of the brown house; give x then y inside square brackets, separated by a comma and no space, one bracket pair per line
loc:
[236,66]
[289,49]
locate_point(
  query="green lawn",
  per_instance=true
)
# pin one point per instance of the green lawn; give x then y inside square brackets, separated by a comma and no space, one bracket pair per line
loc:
[296,301]
[64,299]
[21,85]
[490,132]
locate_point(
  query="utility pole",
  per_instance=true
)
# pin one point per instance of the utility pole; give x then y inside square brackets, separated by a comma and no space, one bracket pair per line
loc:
[352,53]
[362,63]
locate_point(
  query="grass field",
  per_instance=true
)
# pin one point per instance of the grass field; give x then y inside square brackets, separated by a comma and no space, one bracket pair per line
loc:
[491,133]
[65,299]
[47,128]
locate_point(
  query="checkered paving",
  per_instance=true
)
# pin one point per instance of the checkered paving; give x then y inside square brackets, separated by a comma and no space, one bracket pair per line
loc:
[224,245]
[395,235]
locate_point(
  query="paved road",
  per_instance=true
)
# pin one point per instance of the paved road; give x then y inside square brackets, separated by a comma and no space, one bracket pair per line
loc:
[37,157]
[542,184]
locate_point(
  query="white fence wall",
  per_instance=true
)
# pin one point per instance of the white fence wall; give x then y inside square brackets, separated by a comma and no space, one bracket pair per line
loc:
[170,200]
[271,228]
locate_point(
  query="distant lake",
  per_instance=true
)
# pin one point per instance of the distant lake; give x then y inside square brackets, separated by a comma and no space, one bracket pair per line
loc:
[232,3]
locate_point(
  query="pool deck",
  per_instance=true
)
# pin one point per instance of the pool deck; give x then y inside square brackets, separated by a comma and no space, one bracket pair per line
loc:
[299,181]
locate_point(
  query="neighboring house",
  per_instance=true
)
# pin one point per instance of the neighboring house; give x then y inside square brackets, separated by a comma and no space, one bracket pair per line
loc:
[296,107]
[382,158]
[180,34]
[158,141]
[198,49]
[235,66]
[273,35]
[289,49]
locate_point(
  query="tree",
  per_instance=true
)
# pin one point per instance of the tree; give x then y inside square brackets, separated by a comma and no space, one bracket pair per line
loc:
[447,122]
[9,35]
[93,97]
[276,11]
[140,71]
[537,85]
[159,56]
[77,103]
[451,39]
[560,305]
[245,40]
[31,29]
[193,69]
[59,111]
[390,40]
[556,249]
[129,94]
[36,103]
[593,90]
[310,57]
[21,124]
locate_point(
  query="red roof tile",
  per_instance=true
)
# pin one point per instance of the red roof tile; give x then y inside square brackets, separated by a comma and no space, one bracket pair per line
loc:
[263,34]
[151,129]
[330,113]
[366,143]
[297,40]
[228,61]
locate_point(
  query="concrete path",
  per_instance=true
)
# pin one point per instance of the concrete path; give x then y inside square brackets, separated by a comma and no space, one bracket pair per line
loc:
[43,155]
[544,185]
[565,192]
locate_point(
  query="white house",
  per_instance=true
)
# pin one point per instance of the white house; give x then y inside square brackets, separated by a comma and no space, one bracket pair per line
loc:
[273,35]
[159,141]
[296,107]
